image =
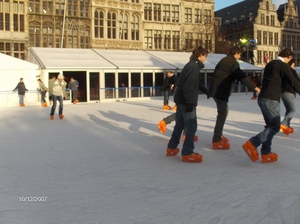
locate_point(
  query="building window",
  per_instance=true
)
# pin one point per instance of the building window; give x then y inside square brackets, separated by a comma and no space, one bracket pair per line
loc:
[262,18]
[7,21]
[207,16]
[19,50]
[123,24]
[198,15]
[47,7]
[283,41]
[289,42]
[99,24]
[175,13]
[291,23]
[59,7]
[175,40]
[265,37]
[5,48]
[267,20]
[259,57]
[135,27]
[293,42]
[16,22]
[167,40]
[48,36]
[157,12]
[34,6]
[72,8]
[157,39]
[148,11]
[34,35]
[259,37]
[84,8]
[188,15]
[111,25]
[198,40]
[298,43]
[85,39]
[148,39]
[270,38]
[272,20]
[188,41]
[276,40]
[166,13]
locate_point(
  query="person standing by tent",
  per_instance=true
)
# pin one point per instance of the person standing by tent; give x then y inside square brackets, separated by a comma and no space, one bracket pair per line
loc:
[43,89]
[73,85]
[21,91]
[58,90]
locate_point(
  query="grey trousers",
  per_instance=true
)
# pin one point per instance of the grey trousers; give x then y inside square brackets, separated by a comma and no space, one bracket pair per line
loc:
[222,108]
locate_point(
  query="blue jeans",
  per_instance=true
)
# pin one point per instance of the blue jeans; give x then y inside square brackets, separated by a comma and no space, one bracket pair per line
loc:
[289,102]
[271,112]
[21,99]
[60,100]
[187,120]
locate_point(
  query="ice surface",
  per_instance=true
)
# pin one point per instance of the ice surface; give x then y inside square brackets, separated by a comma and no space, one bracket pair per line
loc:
[105,163]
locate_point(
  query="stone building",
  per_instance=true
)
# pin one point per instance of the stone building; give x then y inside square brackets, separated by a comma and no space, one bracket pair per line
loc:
[175,25]
[265,29]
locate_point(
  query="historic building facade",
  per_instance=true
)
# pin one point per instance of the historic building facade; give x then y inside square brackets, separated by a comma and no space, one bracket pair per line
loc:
[175,25]
[289,18]
[260,24]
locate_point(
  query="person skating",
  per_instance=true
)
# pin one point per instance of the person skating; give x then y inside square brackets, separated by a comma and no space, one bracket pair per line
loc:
[58,95]
[170,84]
[276,73]
[288,97]
[43,90]
[226,72]
[186,99]
[21,91]
[73,85]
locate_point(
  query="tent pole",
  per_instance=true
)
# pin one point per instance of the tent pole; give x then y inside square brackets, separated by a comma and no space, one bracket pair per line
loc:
[63,29]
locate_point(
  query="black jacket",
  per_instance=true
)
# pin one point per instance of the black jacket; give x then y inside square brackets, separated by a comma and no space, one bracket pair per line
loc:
[226,72]
[168,81]
[188,83]
[21,88]
[286,87]
[276,74]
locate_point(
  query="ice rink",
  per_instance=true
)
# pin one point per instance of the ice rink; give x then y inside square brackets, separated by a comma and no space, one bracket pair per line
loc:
[105,163]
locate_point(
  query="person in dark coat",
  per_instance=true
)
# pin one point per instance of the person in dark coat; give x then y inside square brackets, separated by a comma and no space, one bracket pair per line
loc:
[21,91]
[169,80]
[276,73]
[226,72]
[288,97]
[186,99]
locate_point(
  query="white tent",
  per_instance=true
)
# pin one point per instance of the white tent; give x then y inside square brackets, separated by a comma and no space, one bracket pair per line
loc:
[11,70]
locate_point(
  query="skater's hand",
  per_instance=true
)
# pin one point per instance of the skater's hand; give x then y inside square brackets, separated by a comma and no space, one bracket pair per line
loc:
[189,107]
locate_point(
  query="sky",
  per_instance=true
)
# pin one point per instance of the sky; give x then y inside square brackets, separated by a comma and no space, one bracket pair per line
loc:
[220,4]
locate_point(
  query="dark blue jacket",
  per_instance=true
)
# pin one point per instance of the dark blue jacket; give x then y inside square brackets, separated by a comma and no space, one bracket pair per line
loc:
[188,83]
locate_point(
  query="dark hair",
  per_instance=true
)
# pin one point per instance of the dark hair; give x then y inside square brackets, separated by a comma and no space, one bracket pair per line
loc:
[291,62]
[235,50]
[285,53]
[199,51]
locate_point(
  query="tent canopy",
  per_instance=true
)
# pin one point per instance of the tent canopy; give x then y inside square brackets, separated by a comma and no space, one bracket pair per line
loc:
[64,58]
[11,63]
